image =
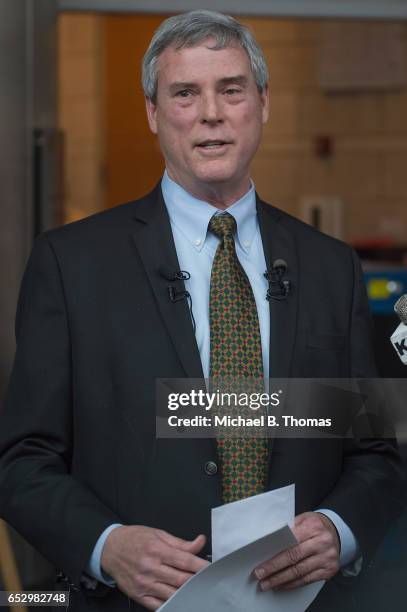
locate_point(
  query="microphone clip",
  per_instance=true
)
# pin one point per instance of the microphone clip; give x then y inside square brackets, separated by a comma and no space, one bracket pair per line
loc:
[279,288]
[177,296]
[181,275]
[176,289]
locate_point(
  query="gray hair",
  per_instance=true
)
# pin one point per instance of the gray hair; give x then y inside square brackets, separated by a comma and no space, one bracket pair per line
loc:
[192,28]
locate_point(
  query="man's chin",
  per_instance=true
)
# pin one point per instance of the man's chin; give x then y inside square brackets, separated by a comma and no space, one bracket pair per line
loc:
[213,176]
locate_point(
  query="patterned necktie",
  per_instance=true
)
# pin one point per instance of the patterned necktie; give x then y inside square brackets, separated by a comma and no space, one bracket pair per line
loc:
[235,352]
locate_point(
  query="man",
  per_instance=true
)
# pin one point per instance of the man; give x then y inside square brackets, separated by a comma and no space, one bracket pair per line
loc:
[82,475]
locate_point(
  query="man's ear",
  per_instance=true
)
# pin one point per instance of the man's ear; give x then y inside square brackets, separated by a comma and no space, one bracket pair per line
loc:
[265,103]
[151,109]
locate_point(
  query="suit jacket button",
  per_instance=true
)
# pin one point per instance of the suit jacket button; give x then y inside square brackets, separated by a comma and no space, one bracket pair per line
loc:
[211,468]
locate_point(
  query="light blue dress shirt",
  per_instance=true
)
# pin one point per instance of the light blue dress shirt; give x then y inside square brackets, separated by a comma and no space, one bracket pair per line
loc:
[196,249]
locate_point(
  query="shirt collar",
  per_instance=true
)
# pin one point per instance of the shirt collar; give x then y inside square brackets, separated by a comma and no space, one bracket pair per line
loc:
[191,216]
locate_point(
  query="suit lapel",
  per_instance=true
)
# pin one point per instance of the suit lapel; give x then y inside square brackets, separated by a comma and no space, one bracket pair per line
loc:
[154,242]
[278,243]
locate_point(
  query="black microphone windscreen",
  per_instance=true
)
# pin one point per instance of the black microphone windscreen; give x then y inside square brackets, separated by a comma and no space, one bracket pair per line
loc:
[400,308]
[280,264]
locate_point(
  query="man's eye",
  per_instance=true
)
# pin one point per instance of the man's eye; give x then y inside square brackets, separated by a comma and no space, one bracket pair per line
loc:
[184,93]
[232,91]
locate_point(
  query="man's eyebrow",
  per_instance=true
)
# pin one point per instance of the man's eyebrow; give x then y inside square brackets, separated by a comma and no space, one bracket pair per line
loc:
[179,85]
[238,79]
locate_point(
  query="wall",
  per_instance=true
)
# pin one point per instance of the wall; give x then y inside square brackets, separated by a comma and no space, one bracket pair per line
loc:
[81,108]
[133,159]
[13,156]
[368,130]
[27,101]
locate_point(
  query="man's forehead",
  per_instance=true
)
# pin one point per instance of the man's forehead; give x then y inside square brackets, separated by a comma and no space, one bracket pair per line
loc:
[231,58]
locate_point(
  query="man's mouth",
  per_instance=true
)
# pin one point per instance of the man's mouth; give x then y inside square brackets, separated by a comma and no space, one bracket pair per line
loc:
[212,144]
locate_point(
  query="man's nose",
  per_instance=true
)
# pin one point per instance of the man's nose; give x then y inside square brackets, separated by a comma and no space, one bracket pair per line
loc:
[211,109]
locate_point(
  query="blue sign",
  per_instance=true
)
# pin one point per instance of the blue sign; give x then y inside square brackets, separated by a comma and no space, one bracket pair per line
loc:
[384,287]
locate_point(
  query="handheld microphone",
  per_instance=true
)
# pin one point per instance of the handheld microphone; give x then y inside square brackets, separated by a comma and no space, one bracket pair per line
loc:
[399,338]
[279,288]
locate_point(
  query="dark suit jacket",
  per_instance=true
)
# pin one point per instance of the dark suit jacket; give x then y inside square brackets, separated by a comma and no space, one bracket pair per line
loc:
[95,328]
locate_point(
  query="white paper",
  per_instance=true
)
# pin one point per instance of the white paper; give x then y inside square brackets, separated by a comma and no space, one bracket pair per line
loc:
[228,585]
[236,524]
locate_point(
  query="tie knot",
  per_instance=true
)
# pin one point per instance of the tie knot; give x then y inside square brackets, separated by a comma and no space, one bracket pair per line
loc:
[223,225]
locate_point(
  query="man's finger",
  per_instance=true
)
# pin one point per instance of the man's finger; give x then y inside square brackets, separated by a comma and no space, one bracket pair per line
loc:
[152,603]
[315,576]
[287,558]
[194,546]
[158,590]
[293,573]
[170,575]
[182,560]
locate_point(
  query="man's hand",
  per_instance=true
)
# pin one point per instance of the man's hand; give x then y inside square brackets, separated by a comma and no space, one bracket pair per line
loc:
[148,564]
[315,557]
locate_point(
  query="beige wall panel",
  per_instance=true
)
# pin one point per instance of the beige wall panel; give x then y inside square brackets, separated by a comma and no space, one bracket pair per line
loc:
[78,116]
[314,177]
[80,113]
[284,115]
[78,76]
[83,178]
[341,115]
[395,172]
[395,114]
[345,175]
[83,149]
[79,36]
[270,32]
[357,223]
[275,176]
[292,66]
[376,217]
[355,174]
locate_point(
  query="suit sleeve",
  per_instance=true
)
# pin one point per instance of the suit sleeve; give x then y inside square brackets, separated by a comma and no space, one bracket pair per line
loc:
[39,497]
[372,489]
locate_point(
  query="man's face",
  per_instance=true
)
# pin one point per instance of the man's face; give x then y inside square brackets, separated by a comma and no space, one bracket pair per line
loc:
[208,116]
